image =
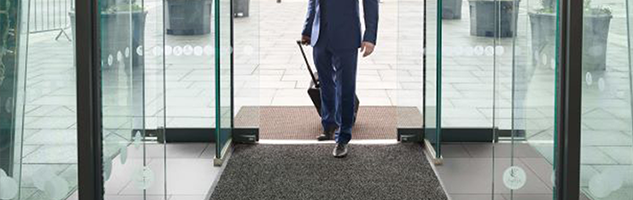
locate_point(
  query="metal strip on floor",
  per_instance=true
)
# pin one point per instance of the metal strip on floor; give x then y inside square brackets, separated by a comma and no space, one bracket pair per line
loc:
[303,122]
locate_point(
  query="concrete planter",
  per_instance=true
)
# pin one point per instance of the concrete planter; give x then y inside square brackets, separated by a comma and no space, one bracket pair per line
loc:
[451,9]
[484,23]
[595,35]
[189,17]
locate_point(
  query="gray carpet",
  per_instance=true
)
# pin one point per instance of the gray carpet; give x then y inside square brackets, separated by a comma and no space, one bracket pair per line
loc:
[397,171]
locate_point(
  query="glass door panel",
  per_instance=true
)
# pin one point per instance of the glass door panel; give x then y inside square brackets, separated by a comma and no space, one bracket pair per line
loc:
[527,63]
[189,53]
[606,170]
[489,87]
[132,90]
[48,103]
[432,74]
[224,76]
[13,46]
[410,71]
[468,33]
[247,64]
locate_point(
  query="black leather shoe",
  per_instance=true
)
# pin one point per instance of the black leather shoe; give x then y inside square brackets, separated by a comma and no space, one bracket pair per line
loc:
[328,134]
[340,150]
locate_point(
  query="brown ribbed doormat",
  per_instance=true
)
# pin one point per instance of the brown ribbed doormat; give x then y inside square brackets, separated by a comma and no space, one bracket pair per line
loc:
[303,122]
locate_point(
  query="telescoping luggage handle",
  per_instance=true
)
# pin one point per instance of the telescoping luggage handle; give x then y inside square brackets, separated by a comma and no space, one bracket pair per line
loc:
[314,79]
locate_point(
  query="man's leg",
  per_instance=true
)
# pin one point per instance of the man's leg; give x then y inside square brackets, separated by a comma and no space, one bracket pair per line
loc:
[345,62]
[323,62]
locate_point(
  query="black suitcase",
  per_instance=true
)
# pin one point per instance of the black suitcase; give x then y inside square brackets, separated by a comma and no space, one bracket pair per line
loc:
[315,92]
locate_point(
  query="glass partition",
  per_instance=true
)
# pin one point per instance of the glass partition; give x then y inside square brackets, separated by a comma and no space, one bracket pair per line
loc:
[223,76]
[247,67]
[432,70]
[469,29]
[189,52]
[132,100]
[49,150]
[606,170]
[525,71]
[410,62]
[13,54]
[498,65]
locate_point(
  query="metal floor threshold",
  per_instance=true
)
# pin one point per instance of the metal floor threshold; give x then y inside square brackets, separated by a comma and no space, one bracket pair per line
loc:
[302,124]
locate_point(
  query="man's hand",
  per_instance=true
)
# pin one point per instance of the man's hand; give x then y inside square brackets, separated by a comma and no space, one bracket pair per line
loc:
[305,40]
[367,48]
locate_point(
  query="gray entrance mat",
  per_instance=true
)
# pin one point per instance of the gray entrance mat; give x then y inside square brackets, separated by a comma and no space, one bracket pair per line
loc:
[304,123]
[395,171]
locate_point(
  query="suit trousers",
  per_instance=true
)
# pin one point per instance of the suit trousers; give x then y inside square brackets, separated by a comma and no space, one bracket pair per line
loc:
[337,77]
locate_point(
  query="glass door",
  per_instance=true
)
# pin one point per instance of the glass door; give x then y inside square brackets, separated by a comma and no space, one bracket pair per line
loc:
[132,92]
[606,171]
[410,71]
[13,37]
[525,72]
[223,77]
[432,75]
[496,66]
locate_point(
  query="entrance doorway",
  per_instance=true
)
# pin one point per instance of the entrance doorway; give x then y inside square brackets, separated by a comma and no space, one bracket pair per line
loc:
[271,78]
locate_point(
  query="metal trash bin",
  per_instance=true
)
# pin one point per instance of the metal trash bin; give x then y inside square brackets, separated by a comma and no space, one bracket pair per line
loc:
[483,21]
[189,17]
[240,8]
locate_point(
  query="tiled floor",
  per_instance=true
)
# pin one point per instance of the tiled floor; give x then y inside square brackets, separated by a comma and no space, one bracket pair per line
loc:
[473,171]
[184,171]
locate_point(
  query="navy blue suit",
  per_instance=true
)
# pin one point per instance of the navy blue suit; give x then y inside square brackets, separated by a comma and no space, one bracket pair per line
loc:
[335,30]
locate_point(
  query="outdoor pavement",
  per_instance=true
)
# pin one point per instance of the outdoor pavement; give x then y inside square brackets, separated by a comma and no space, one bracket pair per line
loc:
[477,89]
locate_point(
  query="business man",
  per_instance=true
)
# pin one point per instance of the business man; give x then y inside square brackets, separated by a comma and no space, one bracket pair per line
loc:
[333,29]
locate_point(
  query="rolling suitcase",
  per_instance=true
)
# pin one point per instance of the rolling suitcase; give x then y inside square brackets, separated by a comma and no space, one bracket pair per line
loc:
[315,92]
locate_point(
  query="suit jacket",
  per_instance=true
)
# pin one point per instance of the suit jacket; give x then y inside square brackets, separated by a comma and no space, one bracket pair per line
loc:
[343,19]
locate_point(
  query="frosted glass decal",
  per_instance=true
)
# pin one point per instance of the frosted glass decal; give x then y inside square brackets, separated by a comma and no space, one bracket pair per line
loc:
[514,178]
[107,168]
[589,78]
[468,51]
[500,50]
[187,50]
[8,186]
[123,153]
[137,139]
[459,51]
[479,50]
[158,51]
[553,178]
[8,105]
[168,50]
[490,51]
[198,51]
[208,50]
[143,178]
[56,189]
[41,176]
[110,60]
[139,50]
[177,51]
[601,84]
[605,183]
[119,56]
